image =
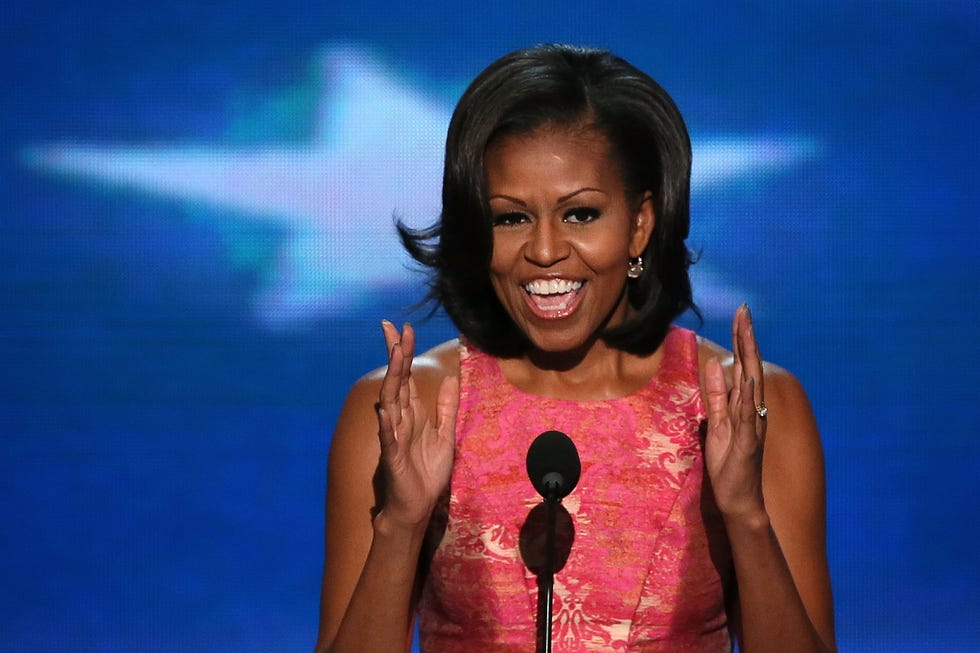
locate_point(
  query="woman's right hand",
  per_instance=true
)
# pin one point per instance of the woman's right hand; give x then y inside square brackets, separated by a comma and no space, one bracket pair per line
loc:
[370,570]
[416,454]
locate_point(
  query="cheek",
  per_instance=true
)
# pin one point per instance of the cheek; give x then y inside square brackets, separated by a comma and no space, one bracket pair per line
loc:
[504,250]
[500,268]
[606,254]
[507,293]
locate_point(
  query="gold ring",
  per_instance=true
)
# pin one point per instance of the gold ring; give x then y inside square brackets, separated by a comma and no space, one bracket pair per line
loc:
[761,410]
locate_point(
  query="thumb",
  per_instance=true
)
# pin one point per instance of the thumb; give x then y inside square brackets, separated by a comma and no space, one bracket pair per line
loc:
[447,405]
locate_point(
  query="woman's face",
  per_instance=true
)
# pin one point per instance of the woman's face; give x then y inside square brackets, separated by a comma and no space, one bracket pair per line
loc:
[564,230]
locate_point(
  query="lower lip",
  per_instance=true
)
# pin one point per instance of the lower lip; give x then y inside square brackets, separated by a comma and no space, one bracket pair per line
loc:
[555,314]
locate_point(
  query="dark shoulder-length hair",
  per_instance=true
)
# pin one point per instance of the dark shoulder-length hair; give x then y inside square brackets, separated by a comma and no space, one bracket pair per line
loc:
[558,85]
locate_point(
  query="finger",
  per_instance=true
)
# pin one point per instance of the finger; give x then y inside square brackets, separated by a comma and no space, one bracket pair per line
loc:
[735,395]
[389,386]
[386,431]
[389,396]
[393,374]
[717,400]
[737,321]
[751,359]
[747,412]
[394,388]
[408,341]
[412,411]
[407,346]
[391,335]
[717,389]
[447,405]
[746,432]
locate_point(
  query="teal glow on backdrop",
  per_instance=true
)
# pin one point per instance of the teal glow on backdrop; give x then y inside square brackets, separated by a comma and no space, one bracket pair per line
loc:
[196,250]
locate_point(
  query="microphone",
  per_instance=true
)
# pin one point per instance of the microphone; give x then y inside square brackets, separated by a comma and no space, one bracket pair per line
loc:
[553,465]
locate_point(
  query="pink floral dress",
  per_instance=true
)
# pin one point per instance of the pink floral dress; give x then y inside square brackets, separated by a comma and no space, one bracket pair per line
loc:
[648,565]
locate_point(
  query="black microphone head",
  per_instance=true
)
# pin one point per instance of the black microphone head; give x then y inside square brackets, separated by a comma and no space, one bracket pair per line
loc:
[553,465]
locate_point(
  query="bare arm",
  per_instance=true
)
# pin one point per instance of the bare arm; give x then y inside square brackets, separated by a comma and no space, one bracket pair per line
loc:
[370,564]
[768,480]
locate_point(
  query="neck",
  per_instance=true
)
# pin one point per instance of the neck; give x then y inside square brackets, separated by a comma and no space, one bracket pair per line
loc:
[584,357]
[594,372]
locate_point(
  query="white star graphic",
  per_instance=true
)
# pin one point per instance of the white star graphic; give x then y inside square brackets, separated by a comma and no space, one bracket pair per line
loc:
[377,151]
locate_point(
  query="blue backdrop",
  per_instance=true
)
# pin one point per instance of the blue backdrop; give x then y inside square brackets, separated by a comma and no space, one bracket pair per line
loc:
[196,249]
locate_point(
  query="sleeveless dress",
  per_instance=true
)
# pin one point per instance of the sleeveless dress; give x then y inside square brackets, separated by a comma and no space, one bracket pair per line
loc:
[648,563]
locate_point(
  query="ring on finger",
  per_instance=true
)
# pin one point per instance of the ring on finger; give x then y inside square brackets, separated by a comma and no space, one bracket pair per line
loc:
[761,410]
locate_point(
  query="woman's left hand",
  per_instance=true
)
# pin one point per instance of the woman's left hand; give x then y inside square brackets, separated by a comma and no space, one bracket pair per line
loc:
[737,425]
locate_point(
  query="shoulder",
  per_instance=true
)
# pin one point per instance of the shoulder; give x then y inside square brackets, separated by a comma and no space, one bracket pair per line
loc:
[793,449]
[781,386]
[792,438]
[428,370]
[355,445]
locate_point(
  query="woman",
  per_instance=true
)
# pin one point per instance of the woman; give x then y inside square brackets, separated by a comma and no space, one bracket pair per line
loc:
[560,257]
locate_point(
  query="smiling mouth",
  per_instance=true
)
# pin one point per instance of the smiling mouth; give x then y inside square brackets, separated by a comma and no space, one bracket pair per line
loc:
[552,297]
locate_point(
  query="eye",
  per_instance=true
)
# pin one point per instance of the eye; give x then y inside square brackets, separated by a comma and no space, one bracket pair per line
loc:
[509,219]
[581,215]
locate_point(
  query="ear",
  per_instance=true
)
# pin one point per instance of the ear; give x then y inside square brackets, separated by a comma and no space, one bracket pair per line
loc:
[643,222]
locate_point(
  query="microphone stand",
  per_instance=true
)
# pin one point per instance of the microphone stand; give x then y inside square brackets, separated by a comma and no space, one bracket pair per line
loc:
[548,578]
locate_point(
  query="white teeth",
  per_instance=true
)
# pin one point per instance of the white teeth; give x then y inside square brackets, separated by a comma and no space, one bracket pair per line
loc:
[552,286]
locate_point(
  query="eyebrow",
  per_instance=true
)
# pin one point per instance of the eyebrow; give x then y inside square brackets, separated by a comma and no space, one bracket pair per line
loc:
[561,200]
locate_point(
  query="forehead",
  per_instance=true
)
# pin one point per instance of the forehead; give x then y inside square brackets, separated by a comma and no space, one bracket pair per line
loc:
[577,134]
[549,152]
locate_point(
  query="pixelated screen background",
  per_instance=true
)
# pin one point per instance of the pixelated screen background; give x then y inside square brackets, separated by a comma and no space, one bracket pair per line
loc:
[196,250]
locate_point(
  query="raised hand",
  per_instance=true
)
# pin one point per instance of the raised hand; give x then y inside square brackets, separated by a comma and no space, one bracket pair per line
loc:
[737,425]
[416,453]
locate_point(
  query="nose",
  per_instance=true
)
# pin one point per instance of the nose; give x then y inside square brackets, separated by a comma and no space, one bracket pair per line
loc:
[546,244]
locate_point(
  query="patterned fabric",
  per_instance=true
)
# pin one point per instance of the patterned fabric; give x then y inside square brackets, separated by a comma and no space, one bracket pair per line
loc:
[647,542]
